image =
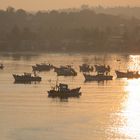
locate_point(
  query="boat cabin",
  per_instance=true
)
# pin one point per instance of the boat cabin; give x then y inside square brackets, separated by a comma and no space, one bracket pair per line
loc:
[85,65]
[27,74]
[62,87]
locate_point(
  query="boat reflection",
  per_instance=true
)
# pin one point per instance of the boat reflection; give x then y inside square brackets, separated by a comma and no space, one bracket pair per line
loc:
[60,100]
[63,99]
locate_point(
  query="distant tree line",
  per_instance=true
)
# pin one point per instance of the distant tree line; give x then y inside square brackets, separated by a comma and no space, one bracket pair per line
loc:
[127,12]
[75,31]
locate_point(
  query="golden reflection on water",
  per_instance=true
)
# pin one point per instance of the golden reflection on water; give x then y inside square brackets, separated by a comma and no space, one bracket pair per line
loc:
[132,108]
[134,62]
[109,110]
[131,105]
[126,124]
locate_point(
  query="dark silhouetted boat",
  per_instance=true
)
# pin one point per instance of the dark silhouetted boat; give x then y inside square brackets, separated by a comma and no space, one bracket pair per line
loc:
[102,68]
[1,66]
[86,68]
[26,78]
[65,71]
[128,74]
[102,74]
[42,67]
[62,91]
[98,77]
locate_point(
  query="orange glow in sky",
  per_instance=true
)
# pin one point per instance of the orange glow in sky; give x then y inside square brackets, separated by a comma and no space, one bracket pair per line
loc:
[60,4]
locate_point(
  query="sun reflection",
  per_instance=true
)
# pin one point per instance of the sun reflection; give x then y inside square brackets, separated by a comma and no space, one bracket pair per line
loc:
[132,109]
[134,62]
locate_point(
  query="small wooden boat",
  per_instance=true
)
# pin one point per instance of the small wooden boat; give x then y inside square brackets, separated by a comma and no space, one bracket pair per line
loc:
[62,91]
[65,71]
[102,68]
[42,67]
[86,68]
[102,74]
[128,74]
[26,78]
[98,77]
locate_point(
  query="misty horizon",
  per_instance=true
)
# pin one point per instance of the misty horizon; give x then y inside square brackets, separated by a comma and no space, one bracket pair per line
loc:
[62,4]
[72,8]
[97,9]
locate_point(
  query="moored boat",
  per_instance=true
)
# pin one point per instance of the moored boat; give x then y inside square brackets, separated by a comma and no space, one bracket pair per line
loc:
[128,74]
[62,91]
[86,68]
[26,78]
[98,77]
[65,71]
[102,68]
[42,67]
[102,74]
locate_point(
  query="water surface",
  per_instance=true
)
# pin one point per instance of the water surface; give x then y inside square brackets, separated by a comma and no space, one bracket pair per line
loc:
[109,110]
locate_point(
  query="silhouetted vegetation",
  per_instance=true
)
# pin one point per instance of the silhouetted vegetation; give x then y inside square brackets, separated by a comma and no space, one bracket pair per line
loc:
[127,12]
[79,30]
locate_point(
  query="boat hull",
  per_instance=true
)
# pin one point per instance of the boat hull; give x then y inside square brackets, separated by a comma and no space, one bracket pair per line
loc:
[41,68]
[129,75]
[65,72]
[59,73]
[97,77]
[65,94]
[23,79]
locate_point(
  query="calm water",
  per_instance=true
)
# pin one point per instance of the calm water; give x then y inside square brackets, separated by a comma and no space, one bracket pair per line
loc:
[109,110]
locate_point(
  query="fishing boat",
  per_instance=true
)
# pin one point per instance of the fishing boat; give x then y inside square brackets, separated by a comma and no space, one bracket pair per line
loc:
[42,67]
[102,74]
[98,77]
[128,74]
[86,68]
[102,68]
[26,78]
[65,71]
[63,91]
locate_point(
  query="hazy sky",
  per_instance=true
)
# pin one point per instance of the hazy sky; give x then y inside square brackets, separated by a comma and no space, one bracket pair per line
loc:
[59,4]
